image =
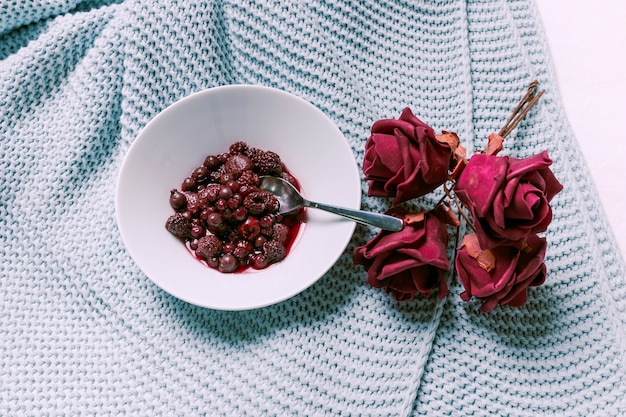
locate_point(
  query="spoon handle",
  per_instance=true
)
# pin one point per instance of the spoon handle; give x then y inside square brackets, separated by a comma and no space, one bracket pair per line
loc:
[382,221]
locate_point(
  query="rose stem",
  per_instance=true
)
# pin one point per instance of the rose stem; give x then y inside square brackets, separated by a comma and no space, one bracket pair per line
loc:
[520,111]
[462,213]
[458,205]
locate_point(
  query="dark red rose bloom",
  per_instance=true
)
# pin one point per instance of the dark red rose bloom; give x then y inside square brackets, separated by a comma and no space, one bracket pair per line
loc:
[409,261]
[500,275]
[404,159]
[508,198]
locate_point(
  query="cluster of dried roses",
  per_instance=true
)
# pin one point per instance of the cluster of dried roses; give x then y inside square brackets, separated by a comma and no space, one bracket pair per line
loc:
[507,199]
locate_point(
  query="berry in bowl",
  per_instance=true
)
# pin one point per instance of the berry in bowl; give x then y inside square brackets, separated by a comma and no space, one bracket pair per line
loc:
[226,218]
[191,214]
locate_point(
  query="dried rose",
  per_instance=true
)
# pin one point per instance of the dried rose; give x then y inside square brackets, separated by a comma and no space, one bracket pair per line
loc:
[404,159]
[500,275]
[409,261]
[508,198]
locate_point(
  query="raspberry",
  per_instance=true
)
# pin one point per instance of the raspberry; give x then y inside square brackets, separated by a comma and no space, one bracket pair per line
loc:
[195,203]
[179,226]
[209,246]
[266,162]
[274,251]
[290,179]
[238,148]
[259,201]
[210,193]
[280,232]
[271,203]
[237,164]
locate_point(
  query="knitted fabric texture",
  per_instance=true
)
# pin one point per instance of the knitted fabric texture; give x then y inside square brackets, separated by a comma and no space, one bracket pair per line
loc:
[84,332]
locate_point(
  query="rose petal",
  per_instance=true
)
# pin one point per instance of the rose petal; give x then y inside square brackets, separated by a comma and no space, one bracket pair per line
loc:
[480,181]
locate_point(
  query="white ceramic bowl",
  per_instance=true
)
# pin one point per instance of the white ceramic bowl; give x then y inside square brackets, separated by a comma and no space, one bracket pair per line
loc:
[178,139]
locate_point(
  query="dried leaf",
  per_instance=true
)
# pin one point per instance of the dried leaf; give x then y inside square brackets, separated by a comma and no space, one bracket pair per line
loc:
[494,145]
[485,258]
[449,138]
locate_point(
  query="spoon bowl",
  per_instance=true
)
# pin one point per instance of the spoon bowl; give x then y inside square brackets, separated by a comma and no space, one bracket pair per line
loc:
[290,200]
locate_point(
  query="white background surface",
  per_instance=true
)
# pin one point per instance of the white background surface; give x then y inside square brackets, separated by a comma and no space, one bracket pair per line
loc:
[588,46]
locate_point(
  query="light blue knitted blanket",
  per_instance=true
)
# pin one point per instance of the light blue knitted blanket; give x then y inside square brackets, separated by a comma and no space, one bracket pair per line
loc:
[84,332]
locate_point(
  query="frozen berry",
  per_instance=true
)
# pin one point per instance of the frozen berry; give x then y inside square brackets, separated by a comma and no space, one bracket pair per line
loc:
[249,229]
[240,214]
[259,261]
[225,192]
[204,214]
[259,201]
[228,247]
[248,177]
[189,184]
[177,225]
[216,175]
[195,203]
[178,201]
[215,220]
[280,232]
[266,221]
[221,205]
[210,193]
[238,148]
[241,253]
[228,263]
[237,164]
[209,246]
[197,231]
[213,262]
[200,174]
[274,251]
[290,179]
[223,157]
[211,162]
[266,162]
[233,185]
[260,241]
[246,190]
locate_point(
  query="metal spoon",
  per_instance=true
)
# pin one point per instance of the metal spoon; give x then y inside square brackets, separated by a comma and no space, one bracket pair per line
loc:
[290,199]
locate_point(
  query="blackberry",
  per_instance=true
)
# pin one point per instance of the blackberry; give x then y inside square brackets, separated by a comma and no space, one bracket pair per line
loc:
[266,162]
[209,246]
[179,226]
[195,203]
